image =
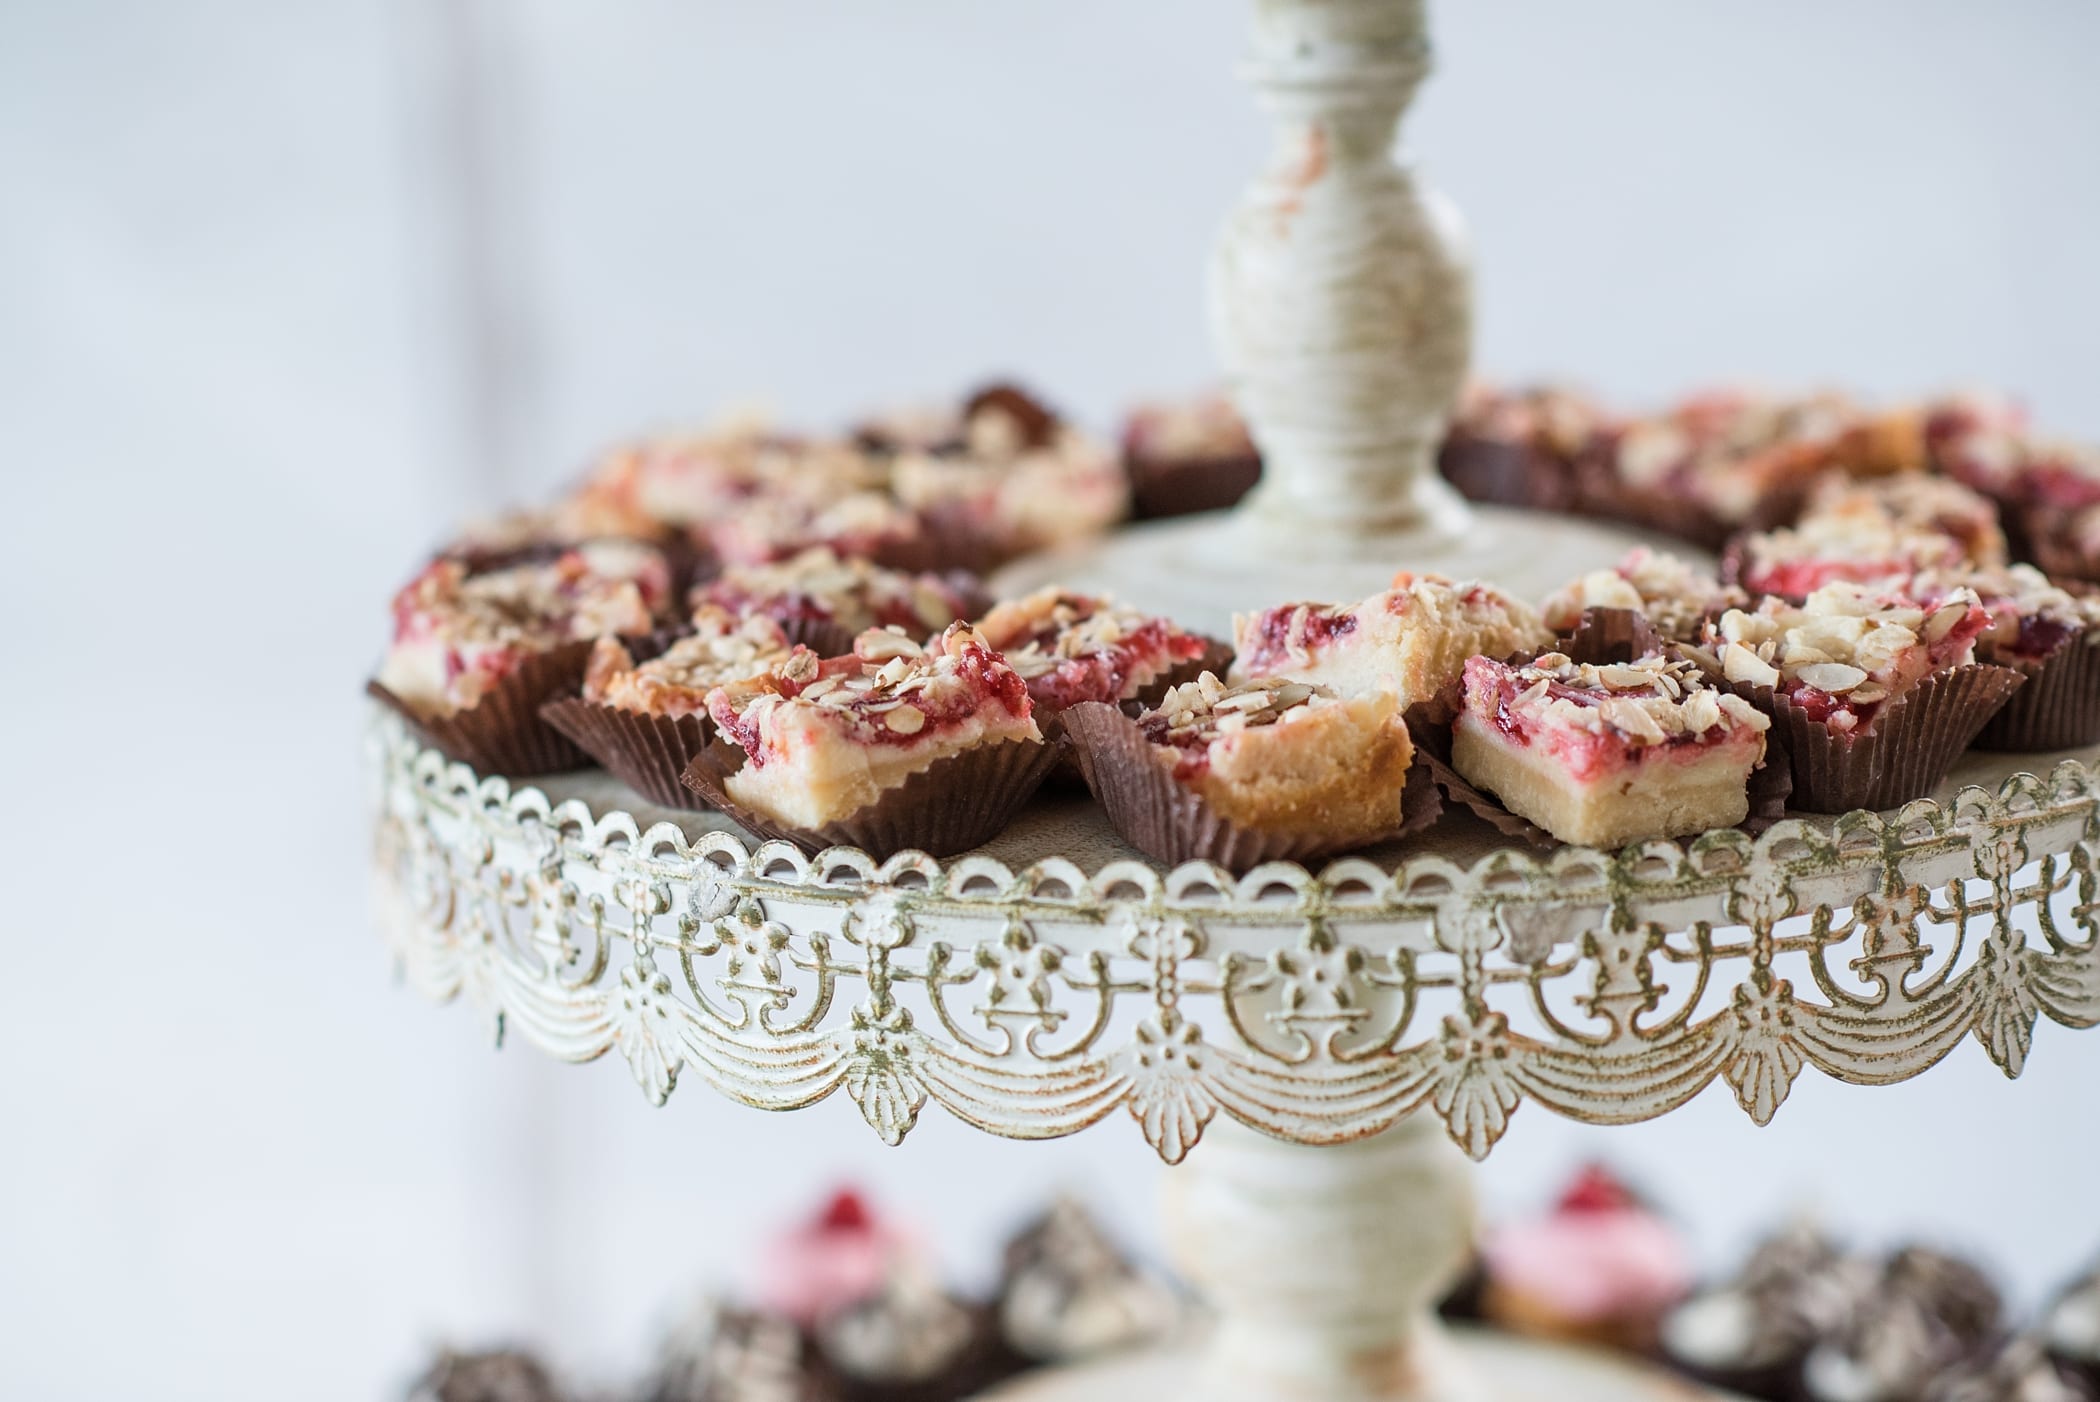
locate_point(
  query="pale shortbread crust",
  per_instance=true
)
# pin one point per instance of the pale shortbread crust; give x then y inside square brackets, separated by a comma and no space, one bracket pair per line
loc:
[1662,796]
[1337,768]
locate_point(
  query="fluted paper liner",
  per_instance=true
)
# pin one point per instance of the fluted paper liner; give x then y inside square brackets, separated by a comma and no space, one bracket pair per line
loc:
[1430,725]
[822,636]
[2058,708]
[1901,754]
[503,732]
[1216,659]
[953,805]
[1170,822]
[648,753]
[1508,473]
[1163,487]
[1603,636]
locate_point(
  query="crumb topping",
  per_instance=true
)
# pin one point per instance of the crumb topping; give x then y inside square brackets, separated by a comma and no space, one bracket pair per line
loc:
[1280,637]
[583,594]
[1192,430]
[1847,649]
[1674,595]
[1195,715]
[818,585]
[2030,617]
[783,523]
[888,691]
[1073,647]
[1861,545]
[721,648]
[1654,701]
[1914,501]
[1550,417]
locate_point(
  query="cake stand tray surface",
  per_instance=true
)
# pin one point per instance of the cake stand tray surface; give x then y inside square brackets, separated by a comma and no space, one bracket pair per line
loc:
[1504,1368]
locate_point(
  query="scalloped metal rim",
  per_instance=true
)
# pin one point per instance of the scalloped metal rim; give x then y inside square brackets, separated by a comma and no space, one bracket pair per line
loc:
[1315,984]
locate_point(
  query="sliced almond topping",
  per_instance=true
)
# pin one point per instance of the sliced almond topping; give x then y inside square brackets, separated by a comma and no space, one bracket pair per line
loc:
[1833,677]
[1740,664]
[906,720]
[1943,620]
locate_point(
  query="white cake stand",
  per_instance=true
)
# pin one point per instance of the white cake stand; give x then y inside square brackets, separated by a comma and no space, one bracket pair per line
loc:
[1335,1038]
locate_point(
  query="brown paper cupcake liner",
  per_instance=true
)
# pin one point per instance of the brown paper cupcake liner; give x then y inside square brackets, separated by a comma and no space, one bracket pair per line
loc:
[2058,708]
[1216,659]
[1164,487]
[1432,737]
[1605,636]
[952,806]
[2043,538]
[1506,473]
[503,732]
[823,636]
[647,753]
[1603,493]
[1902,754]
[1172,824]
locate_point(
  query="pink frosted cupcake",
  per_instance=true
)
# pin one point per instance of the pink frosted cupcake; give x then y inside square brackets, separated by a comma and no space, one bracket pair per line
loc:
[1601,1268]
[837,1260]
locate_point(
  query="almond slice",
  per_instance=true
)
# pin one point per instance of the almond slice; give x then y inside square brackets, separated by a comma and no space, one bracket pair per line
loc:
[1836,678]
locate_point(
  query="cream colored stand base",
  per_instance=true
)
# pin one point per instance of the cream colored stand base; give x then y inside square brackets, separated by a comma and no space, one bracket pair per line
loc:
[1202,569]
[1322,1266]
[1504,1369]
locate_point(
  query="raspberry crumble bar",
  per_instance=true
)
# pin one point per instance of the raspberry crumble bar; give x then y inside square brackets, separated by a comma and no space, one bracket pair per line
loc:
[1284,755]
[824,739]
[722,648]
[1604,756]
[1842,654]
[458,634]
[1412,640]
[818,586]
[1673,595]
[1071,647]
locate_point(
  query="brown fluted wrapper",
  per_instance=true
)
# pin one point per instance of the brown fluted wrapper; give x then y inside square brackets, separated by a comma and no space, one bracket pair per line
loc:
[955,804]
[1171,823]
[1506,472]
[822,636]
[2058,708]
[1430,725]
[2042,535]
[1163,487]
[1216,659]
[645,752]
[1602,637]
[1603,493]
[1902,754]
[503,732]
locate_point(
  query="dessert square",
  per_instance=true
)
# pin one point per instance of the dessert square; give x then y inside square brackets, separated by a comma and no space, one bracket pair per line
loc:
[1413,640]
[1521,447]
[825,739]
[723,647]
[1672,594]
[1279,755]
[1841,655]
[1190,455]
[1913,501]
[820,586]
[780,523]
[458,634]
[1072,647]
[1604,756]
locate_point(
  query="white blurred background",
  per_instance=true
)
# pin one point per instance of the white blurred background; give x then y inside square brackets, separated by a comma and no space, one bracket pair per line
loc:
[284,290]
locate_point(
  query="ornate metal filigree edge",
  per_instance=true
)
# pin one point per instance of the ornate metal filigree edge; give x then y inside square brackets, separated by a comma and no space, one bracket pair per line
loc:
[1037,1002]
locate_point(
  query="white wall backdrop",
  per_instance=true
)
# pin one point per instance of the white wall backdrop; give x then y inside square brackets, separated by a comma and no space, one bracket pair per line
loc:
[285,289]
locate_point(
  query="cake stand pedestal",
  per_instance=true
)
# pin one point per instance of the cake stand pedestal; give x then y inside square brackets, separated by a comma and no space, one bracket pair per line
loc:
[1327,1036]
